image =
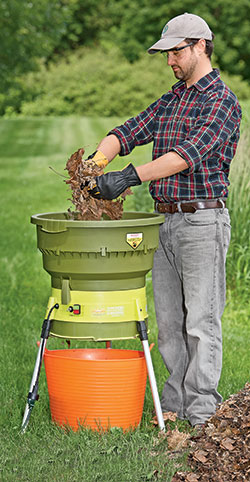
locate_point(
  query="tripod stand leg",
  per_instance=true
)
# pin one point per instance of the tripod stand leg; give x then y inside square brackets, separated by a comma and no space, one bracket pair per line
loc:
[33,392]
[151,375]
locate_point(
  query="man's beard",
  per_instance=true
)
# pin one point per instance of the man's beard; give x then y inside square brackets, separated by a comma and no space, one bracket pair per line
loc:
[185,73]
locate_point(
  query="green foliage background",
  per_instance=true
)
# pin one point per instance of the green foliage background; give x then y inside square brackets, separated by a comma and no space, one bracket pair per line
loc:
[28,30]
[89,57]
[101,84]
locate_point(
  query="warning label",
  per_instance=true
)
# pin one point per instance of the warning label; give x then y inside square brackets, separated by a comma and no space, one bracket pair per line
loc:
[134,239]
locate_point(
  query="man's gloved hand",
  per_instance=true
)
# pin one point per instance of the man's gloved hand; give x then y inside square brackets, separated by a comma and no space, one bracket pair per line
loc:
[99,158]
[112,184]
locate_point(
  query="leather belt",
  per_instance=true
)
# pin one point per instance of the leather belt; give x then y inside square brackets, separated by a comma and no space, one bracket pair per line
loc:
[189,207]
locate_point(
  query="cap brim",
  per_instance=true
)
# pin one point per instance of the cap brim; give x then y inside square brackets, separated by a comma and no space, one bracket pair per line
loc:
[165,44]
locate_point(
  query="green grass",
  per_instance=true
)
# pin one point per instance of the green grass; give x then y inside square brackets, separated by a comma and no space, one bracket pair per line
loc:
[28,147]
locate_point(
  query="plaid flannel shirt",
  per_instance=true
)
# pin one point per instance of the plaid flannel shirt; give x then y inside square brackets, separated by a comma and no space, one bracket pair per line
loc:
[201,124]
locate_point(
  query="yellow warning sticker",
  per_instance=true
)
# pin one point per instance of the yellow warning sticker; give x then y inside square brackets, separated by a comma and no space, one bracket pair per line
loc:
[134,239]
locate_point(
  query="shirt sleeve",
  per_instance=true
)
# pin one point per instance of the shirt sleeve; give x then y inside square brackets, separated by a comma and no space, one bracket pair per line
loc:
[136,131]
[218,121]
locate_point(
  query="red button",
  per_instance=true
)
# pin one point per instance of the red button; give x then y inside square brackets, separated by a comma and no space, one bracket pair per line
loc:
[76,309]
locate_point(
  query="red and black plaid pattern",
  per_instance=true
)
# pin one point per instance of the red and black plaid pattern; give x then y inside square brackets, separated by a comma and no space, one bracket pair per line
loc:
[202,124]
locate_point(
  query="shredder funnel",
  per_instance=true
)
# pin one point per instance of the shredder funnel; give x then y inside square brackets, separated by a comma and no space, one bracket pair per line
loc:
[98,271]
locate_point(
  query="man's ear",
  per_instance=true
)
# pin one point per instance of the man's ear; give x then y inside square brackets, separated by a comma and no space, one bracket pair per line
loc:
[201,46]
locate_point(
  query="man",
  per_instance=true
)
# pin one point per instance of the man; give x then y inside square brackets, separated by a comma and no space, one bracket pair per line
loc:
[195,130]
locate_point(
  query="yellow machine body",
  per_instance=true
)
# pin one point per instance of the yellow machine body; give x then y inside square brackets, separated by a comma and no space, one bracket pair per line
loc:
[98,315]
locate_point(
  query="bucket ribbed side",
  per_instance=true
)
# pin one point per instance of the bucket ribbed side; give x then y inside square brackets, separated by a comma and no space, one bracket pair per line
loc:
[104,391]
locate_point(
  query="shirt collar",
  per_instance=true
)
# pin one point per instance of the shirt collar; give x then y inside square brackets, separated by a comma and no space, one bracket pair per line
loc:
[201,85]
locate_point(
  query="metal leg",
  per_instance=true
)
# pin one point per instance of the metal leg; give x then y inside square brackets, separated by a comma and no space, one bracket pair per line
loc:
[33,392]
[151,375]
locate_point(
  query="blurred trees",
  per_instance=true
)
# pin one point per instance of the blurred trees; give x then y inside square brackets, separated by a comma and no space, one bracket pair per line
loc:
[103,84]
[141,23]
[135,26]
[47,29]
[29,30]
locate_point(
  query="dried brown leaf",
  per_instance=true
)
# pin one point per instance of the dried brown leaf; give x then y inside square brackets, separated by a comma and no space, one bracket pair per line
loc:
[172,416]
[227,443]
[177,440]
[167,416]
[82,175]
[201,456]
[222,452]
[192,477]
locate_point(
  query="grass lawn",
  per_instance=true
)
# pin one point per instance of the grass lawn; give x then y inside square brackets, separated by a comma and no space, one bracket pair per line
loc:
[45,452]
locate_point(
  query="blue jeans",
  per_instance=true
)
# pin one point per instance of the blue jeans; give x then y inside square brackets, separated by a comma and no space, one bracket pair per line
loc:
[189,292]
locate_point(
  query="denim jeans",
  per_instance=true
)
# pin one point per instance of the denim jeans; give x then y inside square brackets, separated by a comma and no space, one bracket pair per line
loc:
[189,292]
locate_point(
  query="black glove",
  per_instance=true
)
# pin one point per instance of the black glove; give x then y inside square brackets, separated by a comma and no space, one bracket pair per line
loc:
[112,184]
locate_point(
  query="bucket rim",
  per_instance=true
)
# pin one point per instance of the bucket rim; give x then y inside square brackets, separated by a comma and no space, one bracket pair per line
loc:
[136,219]
[56,354]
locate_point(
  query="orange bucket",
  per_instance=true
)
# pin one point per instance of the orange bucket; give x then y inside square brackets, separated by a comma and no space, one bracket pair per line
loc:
[96,388]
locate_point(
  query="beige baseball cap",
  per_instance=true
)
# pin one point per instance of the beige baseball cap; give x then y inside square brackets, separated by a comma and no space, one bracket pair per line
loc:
[178,29]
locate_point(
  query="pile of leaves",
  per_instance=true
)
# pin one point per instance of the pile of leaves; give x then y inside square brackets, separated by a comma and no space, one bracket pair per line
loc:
[221,451]
[82,178]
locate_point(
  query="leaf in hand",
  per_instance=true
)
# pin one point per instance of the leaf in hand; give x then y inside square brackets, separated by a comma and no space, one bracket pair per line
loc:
[82,175]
